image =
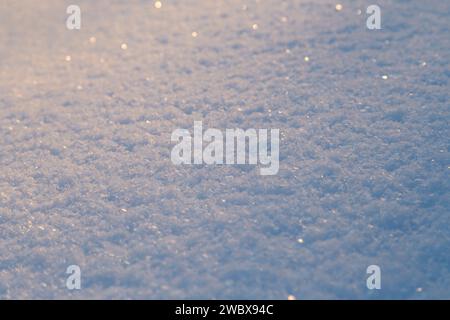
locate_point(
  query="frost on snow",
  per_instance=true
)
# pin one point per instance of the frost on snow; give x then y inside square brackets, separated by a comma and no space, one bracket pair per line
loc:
[86,178]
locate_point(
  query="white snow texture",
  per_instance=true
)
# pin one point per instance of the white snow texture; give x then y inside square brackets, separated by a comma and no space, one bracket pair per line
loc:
[86,178]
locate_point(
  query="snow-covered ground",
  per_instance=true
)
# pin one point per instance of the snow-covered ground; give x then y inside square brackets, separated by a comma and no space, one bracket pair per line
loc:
[86,176]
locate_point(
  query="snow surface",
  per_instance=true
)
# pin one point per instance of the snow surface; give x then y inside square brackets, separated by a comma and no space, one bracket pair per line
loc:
[86,176]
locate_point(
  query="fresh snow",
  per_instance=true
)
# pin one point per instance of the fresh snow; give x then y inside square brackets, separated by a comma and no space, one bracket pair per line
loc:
[85,140]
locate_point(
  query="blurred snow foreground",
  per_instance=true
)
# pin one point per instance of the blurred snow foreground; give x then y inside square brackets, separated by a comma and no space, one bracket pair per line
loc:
[87,180]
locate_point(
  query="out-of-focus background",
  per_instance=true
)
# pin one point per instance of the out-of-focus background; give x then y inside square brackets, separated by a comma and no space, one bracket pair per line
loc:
[85,171]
